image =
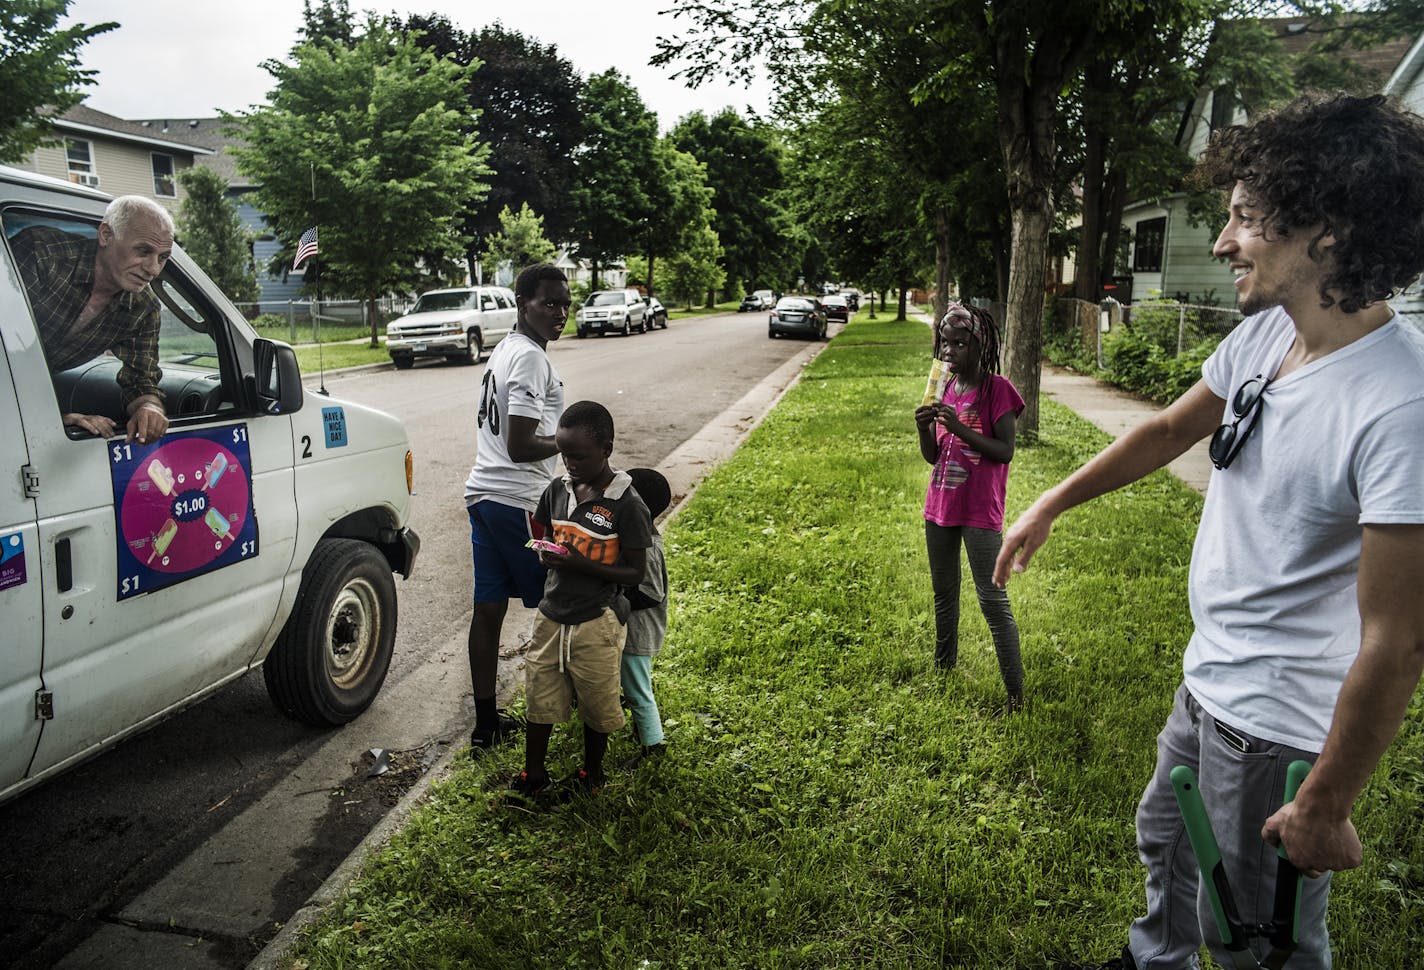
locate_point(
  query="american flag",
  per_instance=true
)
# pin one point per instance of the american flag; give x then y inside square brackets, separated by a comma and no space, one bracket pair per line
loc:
[306,247]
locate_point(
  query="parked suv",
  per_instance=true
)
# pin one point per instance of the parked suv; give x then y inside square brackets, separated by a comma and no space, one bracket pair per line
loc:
[457,324]
[263,528]
[610,311]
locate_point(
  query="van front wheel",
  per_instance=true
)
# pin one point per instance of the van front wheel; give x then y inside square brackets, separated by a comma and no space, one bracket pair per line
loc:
[332,656]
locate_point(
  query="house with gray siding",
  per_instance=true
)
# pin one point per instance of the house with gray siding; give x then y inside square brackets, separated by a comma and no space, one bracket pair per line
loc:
[116,156]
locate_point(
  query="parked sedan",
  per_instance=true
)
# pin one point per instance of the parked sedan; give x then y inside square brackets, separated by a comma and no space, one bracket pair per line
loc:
[837,308]
[657,313]
[750,302]
[802,315]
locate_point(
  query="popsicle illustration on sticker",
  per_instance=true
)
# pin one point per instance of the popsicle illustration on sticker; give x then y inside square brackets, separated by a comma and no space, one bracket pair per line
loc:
[163,539]
[161,475]
[213,470]
[218,522]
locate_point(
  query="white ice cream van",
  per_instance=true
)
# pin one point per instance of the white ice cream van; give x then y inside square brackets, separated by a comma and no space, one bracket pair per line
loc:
[263,528]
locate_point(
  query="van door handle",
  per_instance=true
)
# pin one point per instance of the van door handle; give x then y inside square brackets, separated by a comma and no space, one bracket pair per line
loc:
[63,566]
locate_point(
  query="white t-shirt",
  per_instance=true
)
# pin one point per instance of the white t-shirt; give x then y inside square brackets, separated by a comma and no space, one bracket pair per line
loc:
[1340,444]
[519,380]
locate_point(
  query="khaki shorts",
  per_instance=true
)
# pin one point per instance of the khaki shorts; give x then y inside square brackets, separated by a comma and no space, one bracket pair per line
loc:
[592,655]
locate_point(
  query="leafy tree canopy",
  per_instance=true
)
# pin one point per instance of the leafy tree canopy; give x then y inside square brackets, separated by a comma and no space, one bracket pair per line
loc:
[745,171]
[40,74]
[526,99]
[610,198]
[212,234]
[520,240]
[366,143]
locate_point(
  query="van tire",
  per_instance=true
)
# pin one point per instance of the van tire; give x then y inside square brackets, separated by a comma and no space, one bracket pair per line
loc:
[331,658]
[404,361]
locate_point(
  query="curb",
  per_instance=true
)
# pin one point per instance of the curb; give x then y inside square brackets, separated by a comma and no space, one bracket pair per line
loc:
[713,443]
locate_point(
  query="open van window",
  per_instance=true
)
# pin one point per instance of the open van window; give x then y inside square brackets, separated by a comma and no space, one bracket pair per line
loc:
[193,370]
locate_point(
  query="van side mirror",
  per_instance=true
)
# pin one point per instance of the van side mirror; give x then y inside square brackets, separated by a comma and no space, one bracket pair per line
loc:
[277,378]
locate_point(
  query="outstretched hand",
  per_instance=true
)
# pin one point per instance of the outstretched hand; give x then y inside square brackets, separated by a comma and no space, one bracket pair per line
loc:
[1021,542]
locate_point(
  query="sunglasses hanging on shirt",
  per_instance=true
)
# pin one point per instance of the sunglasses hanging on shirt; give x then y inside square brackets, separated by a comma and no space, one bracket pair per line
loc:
[1227,443]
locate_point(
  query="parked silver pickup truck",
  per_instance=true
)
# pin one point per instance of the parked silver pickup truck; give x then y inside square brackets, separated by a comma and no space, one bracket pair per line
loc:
[458,324]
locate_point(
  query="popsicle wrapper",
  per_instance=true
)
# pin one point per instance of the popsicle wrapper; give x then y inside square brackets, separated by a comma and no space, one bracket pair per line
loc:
[938,379]
[544,545]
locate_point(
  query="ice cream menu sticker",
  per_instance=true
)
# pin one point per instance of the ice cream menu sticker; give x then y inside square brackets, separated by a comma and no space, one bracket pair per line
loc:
[12,560]
[182,507]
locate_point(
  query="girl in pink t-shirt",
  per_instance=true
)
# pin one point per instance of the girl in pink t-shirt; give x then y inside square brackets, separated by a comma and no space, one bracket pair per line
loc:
[968,436]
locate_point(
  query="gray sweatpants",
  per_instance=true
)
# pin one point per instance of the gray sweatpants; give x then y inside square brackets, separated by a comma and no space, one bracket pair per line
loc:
[1240,791]
[982,547]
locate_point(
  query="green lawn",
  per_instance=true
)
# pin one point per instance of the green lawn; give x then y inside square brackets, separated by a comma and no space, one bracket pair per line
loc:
[828,800]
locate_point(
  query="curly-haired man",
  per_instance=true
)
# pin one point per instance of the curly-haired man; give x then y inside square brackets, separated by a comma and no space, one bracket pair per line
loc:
[1309,627]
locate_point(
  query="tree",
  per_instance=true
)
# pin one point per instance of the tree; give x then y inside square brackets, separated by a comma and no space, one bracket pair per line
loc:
[697,267]
[681,203]
[744,170]
[39,71]
[365,143]
[328,20]
[526,99]
[212,234]
[610,196]
[520,240]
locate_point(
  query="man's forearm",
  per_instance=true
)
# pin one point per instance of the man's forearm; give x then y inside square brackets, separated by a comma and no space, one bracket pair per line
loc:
[1368,715]
[151,400]
[1140,451]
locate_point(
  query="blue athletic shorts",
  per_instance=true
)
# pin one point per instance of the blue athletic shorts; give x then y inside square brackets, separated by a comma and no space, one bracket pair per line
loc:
[504,567]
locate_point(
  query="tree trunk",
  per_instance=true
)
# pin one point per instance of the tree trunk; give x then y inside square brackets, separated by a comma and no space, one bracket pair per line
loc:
[1089,272]
[373,317]
[904,291]
[1116,201]
[1028,272]
[593,277]
[1001,261]
[941,234]
[649,282]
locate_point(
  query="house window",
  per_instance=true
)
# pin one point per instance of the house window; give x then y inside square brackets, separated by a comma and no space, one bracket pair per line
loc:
[1147,254]
[80,156]
[163,181]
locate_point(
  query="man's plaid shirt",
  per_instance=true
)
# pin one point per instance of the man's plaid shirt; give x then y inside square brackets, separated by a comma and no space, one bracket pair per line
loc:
[58,271]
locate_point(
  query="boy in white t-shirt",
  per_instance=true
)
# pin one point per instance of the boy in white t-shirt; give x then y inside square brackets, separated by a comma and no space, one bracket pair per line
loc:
[521,399]
[1309,628]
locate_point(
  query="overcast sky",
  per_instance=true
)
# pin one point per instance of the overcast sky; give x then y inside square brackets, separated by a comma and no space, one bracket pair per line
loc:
[188,58]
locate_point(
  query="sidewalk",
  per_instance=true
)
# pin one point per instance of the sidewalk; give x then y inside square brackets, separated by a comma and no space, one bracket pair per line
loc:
[1116,411]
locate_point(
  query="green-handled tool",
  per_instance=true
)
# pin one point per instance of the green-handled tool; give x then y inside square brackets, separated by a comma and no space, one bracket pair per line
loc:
[1285,915]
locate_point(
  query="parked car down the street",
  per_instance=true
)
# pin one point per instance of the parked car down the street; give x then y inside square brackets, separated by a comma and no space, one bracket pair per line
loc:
[657,313]
[801,315]
[612,311]
[836,307]
[750,302]
[459,324]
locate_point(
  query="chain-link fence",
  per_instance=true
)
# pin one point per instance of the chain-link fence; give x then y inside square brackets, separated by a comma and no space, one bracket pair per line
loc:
[333,321]
[1178,327]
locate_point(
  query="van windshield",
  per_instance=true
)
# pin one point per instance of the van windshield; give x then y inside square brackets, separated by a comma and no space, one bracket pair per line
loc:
[607,298]
[431,302]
